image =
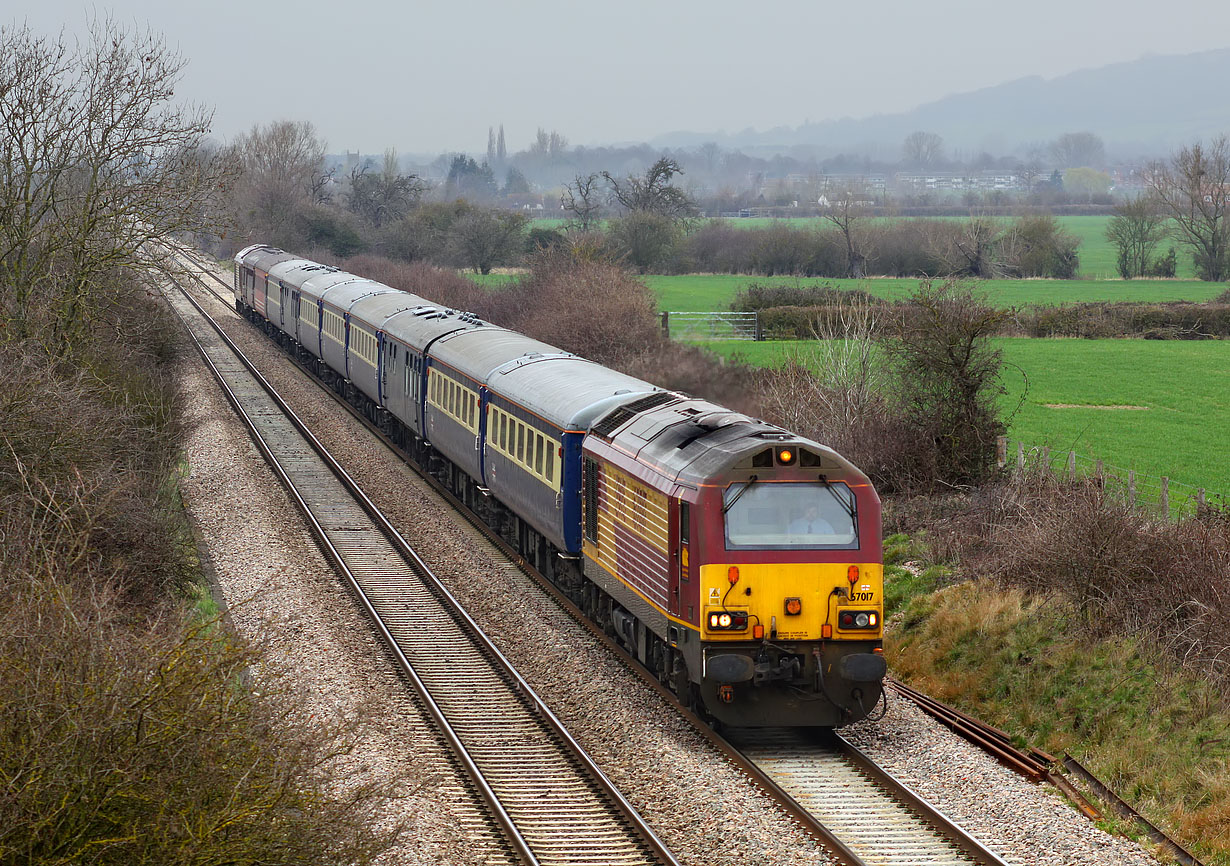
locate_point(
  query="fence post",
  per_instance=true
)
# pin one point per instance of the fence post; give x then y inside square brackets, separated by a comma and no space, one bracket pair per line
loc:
[1020,455]
[1001,451]
[759,328]
[1046,459]
[1099,470]
[1200,499]
[1165,497]
[1131,486]
[666,324]
[1071,465]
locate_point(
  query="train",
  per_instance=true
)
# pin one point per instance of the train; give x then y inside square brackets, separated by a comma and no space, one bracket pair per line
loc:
[739,562]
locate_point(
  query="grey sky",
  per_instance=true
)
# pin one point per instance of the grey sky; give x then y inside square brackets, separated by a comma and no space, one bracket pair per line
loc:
[426,77]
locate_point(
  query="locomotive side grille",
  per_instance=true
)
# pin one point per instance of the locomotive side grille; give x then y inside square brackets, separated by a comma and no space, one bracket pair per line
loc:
[614,420]
[591,500]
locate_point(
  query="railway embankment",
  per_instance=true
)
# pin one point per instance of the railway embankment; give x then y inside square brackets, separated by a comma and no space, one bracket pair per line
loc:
[1081,625]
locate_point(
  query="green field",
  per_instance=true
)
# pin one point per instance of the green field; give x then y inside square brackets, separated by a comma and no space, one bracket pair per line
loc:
[703,292]
[1184,387]
[706,292]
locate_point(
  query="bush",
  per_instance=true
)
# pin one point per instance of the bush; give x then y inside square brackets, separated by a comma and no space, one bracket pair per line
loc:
[759,296]
[126,740]
[947,381]
[1036,246]
[1126,570]
[644,240]
[127,733]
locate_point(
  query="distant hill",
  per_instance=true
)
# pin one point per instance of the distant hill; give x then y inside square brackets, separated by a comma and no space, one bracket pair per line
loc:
[1141,107]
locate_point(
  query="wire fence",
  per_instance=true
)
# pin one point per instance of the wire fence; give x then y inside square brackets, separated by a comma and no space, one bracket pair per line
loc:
[1154,492]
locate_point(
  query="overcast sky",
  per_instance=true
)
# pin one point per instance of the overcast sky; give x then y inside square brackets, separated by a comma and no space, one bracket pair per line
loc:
[427,77]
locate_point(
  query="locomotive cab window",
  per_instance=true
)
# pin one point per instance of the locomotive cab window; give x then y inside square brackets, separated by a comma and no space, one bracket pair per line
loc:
[790,516]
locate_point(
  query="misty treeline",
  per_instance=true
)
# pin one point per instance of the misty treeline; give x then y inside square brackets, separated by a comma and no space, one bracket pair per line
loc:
[651,220]
[131,730]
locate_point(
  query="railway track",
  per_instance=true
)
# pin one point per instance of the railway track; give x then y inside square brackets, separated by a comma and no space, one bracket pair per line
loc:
[857,810]
[552,803]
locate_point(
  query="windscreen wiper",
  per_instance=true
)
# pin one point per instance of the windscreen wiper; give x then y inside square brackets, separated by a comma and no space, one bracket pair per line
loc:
[731,504]
[847,507]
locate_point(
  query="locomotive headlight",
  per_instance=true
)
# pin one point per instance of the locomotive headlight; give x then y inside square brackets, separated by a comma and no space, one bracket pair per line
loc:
[724,620]
[785,457]
[861,620]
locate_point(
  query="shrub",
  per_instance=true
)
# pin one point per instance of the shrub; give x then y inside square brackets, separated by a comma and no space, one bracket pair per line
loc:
[132,741]
[644,240]
[947,380]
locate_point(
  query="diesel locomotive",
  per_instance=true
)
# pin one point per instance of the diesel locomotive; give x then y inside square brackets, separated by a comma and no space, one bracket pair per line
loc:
[739,562]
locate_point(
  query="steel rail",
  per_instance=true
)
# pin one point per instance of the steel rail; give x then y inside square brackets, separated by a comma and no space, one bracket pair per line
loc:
[842,849]
[649,838]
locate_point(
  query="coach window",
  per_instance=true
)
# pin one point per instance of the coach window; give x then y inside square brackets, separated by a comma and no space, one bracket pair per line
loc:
[520,442]
[550,461]
[538,453]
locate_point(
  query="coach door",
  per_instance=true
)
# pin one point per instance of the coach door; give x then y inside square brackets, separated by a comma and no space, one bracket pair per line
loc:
[283,300]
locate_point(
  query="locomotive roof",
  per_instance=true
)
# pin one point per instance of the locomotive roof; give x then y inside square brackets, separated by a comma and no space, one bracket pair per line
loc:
[564,389]
[692,441]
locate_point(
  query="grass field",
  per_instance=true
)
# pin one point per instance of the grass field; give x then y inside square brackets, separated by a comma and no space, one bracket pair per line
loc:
[1184,387]
[704,292]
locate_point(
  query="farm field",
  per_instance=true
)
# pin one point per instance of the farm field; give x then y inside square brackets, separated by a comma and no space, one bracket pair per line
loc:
[705,292]
[708,292]
[1184,387]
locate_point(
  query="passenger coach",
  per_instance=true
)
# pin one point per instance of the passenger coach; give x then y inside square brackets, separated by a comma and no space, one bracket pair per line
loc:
[739,562]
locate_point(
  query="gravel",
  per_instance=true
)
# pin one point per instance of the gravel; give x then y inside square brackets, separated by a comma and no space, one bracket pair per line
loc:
[705,810]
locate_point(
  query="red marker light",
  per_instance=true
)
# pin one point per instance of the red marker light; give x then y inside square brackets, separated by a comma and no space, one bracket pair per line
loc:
[733,574]
[852,574]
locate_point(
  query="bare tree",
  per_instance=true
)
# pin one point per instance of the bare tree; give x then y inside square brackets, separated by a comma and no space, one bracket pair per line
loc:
[849,211]
[97,162]
[923,148]
[583,199]
[1193,189]
[551,145]
[653,192]
[384,196]
[282,167]
[968,250]
[1078,149]
[1136,229]
[484,238]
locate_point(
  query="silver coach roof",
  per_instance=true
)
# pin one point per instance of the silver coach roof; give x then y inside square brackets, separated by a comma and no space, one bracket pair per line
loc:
[376,310]
[265,258]
[477,356]
[569,391]
[419,326]
[346,295]
[293,271]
